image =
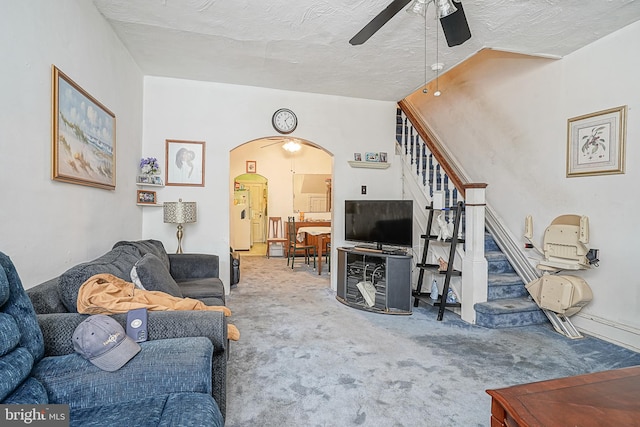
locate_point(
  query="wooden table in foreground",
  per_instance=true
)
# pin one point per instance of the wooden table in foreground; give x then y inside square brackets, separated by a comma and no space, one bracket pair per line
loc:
[603,399]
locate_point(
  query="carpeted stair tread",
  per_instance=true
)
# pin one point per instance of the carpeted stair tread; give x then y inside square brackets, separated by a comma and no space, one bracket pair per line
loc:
[509,313]
[505,279]
[505,285]
[497,262]
[506,305]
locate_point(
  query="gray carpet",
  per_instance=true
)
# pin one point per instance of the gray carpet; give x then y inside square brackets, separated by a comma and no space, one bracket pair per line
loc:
[305,359]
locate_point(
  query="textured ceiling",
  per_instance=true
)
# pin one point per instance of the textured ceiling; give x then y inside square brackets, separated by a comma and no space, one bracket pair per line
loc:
[303,45]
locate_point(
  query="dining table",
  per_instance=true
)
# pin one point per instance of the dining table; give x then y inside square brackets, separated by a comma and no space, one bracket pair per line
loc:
[319,233]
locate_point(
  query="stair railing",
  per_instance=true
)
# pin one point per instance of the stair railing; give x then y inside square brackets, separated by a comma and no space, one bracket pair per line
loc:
[436,174]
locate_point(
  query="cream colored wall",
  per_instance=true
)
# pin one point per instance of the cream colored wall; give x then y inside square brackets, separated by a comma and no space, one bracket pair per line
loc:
[226,117]
[504,117]
[48,226]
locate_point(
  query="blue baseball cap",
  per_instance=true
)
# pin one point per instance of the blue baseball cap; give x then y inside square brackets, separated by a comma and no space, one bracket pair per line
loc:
[102,341]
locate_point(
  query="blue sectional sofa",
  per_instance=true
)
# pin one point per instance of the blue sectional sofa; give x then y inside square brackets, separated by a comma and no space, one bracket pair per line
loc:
[168,383]
[182,275]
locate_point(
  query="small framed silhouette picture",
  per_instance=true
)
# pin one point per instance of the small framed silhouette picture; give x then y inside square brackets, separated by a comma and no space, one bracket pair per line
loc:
[357,157]
[383,157]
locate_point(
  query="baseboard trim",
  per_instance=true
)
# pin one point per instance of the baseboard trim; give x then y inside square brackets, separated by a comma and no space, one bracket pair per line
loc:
[616,333]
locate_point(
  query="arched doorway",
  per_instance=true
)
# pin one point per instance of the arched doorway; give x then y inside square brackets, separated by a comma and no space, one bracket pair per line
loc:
[282,170]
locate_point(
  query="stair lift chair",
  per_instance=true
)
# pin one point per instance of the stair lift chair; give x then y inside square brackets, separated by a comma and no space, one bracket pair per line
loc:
[564,248]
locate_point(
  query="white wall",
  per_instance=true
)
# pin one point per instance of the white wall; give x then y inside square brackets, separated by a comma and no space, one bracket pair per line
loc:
[48,226]
[504,117]
[227,116]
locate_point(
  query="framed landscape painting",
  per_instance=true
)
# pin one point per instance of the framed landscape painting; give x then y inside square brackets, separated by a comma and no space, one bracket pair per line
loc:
[83,136]
[596,143]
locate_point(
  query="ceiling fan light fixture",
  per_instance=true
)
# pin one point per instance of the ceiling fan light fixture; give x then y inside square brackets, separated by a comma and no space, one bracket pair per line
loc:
[444,8]
[419,7]
[292,146]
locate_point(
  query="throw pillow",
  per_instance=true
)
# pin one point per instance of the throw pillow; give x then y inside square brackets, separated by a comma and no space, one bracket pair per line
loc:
[154,276]
[134,277]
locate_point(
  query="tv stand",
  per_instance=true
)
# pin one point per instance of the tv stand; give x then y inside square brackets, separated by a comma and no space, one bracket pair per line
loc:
[368,249]
[371,280]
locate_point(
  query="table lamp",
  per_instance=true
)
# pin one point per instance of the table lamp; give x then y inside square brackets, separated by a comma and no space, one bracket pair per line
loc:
[180,213]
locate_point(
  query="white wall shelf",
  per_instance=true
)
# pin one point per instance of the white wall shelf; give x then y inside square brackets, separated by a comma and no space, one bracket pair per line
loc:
[154,205]
[142,184]
[369,165]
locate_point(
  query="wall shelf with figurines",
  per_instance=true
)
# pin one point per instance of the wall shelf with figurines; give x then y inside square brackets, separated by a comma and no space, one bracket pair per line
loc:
[371,161]
[149,180]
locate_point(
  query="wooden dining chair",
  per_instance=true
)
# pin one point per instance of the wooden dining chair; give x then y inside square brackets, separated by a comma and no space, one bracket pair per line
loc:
[275,234]
[294,245]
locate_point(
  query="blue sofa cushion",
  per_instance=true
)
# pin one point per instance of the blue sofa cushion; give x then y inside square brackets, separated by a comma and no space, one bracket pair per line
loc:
[118,262]
[29,392]
[161,367]
[154,276]
[175,409]
[178,411]
[22,342]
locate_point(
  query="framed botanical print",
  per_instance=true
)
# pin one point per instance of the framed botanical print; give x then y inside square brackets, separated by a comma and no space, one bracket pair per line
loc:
[596,143]
[251,166]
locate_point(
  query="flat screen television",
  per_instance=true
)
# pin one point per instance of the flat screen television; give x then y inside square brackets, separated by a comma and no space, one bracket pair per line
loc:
[379,222]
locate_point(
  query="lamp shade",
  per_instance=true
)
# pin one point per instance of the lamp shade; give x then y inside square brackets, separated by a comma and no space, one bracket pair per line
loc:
[180,212]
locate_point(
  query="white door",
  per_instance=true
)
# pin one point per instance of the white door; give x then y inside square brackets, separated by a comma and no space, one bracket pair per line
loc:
[257,209]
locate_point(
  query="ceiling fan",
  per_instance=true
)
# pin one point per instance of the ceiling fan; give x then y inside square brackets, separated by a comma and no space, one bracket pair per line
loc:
[290,144]
[452,18]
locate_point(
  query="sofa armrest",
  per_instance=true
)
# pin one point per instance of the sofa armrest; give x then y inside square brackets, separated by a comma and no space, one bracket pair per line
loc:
[162,367]
[57,329]
[45,298]
[194,266]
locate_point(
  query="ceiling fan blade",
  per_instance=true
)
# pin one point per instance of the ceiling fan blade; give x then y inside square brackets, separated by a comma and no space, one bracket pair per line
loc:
[377,22]
[455,27]
[279,141]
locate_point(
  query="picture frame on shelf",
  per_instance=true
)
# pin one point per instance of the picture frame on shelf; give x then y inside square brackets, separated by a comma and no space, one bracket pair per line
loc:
[596,143]
[83,136]
[146,197]
[357,157]
[252,166]
[383,157]
[184,163]
[150,180]
[372,157]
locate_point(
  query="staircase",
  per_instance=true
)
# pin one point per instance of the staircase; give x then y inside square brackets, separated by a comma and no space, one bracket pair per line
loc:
[508,302]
